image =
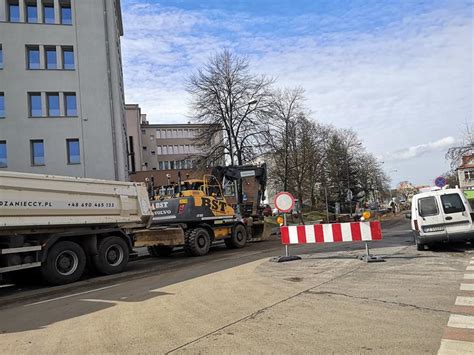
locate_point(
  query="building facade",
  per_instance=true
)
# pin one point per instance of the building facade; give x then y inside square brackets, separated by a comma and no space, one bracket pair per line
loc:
[61,88]
[466,177]
[134,119]
[173,146]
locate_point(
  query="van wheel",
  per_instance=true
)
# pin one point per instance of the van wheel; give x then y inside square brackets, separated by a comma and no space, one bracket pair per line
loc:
[65,263]
[419,246]
[238,238]
[197,242]
[113,256]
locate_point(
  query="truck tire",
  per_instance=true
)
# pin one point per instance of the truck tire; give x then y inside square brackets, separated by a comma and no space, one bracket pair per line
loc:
[65,263]
[197,242]
[238,238]
[112,256]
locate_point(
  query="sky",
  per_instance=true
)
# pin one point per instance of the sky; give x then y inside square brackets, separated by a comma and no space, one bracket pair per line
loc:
[398,72]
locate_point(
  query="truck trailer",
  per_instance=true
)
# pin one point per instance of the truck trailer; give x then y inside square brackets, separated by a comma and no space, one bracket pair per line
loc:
[61,224]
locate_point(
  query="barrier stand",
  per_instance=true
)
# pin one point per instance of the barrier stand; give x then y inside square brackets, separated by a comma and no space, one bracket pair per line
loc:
[287,257]
[370,258]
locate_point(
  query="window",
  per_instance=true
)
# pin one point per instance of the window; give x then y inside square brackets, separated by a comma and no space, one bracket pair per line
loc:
[427,206]
[452,203]
[1,57]
[14,12]
[2,105]
[37,152]
[143,131]
[33,57]
[160,165]
[469,175]
[172,165]
[32,13]
[51,58]
[68,58]
[70,104]
[36,109]
[159,150]
[166,165]
[53,104]
[48,13]
[66,14]
[3,154]
[73,151]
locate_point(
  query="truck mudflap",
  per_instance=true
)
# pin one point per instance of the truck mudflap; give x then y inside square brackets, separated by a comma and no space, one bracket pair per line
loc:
[170,236]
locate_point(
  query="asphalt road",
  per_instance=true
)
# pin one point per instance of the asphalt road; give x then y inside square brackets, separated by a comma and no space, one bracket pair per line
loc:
[184,304]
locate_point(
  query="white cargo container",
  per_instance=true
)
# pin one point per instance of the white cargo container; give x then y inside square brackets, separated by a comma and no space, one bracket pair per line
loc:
[61,223]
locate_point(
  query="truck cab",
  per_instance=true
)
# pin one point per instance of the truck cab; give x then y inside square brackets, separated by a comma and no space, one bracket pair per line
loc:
[441,215]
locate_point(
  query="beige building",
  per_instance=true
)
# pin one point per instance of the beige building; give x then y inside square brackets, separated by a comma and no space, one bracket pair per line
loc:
[134,119]
[172,146]
[61,88]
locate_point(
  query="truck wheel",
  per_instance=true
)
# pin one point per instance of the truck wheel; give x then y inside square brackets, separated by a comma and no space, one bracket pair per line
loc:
[64,263]
[197,242]
[238,238]
[113,256]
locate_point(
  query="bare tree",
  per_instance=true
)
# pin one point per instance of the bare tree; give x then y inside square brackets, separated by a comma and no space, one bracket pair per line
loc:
[232,100]
[455,154]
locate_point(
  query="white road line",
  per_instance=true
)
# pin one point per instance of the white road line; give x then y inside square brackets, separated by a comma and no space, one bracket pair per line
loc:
[467,287]
[455,347]
[470,268]
[459,321]
[464,301]
[68,296]
[468,276]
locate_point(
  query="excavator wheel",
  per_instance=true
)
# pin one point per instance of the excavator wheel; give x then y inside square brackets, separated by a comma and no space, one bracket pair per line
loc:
[197,242]
[238,238]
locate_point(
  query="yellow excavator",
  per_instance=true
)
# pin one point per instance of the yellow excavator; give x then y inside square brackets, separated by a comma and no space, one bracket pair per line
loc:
[226,205]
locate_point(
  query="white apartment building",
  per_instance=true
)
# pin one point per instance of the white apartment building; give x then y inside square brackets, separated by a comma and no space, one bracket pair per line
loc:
[61,88]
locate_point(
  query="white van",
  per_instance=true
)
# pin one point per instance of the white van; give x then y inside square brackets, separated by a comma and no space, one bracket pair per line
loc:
[441,216]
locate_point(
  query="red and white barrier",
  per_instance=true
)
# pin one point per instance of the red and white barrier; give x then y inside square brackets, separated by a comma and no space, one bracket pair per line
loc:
[331,233]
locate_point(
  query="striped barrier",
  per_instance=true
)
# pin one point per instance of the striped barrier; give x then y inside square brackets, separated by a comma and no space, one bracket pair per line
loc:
[331,233]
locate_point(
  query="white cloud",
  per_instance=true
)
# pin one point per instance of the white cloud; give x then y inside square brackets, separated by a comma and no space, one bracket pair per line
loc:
[420,149]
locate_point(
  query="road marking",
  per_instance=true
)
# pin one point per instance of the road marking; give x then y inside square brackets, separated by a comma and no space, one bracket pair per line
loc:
[464,301]
[459,321]
[471,262]
[468,276]
[454,347]
[470,268]
[68,296]
[467,287]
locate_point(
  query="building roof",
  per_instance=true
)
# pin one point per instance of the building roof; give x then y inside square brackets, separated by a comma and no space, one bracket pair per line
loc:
[467,162]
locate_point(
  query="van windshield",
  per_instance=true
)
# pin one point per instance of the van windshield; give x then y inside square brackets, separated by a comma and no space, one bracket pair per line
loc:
[452,203]
[427,206]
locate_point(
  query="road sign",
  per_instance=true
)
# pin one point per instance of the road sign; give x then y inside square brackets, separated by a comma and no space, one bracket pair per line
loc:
[284,202]
[441,181]
[349,195]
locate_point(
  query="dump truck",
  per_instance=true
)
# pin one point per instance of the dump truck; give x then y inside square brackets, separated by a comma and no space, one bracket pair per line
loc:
[59,224]
[194,213]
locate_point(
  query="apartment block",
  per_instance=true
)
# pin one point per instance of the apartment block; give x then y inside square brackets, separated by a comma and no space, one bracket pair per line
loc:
[61,88]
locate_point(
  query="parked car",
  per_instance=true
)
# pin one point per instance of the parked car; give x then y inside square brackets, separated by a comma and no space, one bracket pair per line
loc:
[441,216]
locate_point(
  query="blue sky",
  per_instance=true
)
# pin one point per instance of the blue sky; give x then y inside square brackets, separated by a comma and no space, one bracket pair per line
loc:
[400,73]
